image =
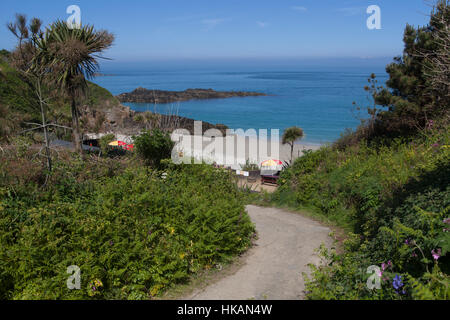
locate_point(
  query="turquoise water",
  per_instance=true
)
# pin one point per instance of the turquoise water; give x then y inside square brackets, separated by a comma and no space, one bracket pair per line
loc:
[318,99]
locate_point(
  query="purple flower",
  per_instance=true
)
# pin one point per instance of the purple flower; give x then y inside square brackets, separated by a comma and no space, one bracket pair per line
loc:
[447,221]
[383,266]
[111,242]
[414,255]
[397,283]
[436,254]
[389,264]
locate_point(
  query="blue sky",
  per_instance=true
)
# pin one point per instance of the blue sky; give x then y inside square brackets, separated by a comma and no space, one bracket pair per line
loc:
[178,29]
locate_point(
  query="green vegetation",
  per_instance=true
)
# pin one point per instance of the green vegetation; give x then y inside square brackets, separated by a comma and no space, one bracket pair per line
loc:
[387,183]
[4,54]
[105,141]
[249,166]
[100,97]
[154,146]
[418,85]
[19,104]
[386,197]
[133,232]
[16,93]
[137,226]
[67,56]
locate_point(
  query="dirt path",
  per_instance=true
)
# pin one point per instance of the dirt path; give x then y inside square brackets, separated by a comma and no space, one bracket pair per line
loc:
[273,268]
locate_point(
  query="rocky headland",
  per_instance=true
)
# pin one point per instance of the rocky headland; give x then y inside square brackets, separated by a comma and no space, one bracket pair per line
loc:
[120,119]
[142,95]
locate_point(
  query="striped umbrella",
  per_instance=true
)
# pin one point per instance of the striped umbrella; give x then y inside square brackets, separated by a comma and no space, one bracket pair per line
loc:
[271,163]
[117,143]
[270,167]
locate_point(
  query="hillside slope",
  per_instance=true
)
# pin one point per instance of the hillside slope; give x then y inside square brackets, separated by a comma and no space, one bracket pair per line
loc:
[100,111]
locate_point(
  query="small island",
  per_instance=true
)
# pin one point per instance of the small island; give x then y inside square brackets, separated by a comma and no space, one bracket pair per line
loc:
[142,95]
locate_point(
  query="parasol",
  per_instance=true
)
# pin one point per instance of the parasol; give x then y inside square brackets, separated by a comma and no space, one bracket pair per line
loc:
[271,167]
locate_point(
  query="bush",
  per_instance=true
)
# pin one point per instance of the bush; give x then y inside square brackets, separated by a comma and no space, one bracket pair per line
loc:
[132,234]
[104,143]
[154,146]
[394,198]
[248,166]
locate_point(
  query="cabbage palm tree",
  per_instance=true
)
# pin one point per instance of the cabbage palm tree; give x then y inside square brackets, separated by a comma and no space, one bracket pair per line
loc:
[291,135]
[71,56]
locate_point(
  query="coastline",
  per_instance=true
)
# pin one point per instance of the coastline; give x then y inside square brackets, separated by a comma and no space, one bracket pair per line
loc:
[232,150]
[143,95]
[235,150]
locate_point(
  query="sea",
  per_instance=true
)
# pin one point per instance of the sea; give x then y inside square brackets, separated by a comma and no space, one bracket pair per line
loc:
[317,97]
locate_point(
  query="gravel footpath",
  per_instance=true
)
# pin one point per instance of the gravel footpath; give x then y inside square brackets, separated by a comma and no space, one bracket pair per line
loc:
[273,267]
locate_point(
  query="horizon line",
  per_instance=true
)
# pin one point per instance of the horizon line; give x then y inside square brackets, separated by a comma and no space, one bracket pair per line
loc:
[252,58]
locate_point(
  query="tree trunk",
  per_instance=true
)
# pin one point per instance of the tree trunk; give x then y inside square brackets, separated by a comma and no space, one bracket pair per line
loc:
[76,128]
[292,152]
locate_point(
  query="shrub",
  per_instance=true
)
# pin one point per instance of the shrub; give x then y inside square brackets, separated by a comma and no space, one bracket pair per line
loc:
[153,146]
[248,166]
[133,234]
[394,198]
[104,143]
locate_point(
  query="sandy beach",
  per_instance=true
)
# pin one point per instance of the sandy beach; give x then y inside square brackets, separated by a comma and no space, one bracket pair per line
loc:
[231,151]
[235,150]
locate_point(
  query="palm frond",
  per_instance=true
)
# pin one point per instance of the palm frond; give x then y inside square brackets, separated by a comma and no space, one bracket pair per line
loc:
[72,54]
[292,134]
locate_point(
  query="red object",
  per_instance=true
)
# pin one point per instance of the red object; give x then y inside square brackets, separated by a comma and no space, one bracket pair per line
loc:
[128,147]
[269,179]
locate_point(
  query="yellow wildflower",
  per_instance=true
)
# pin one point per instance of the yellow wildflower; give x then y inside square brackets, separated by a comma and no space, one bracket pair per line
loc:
[156,289]
[98,283]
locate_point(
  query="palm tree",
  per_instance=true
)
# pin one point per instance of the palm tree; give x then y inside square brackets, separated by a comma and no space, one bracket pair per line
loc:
[71,56]
[291,135]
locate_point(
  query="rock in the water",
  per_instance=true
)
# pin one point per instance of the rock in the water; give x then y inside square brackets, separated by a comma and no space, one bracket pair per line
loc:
[142,95]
